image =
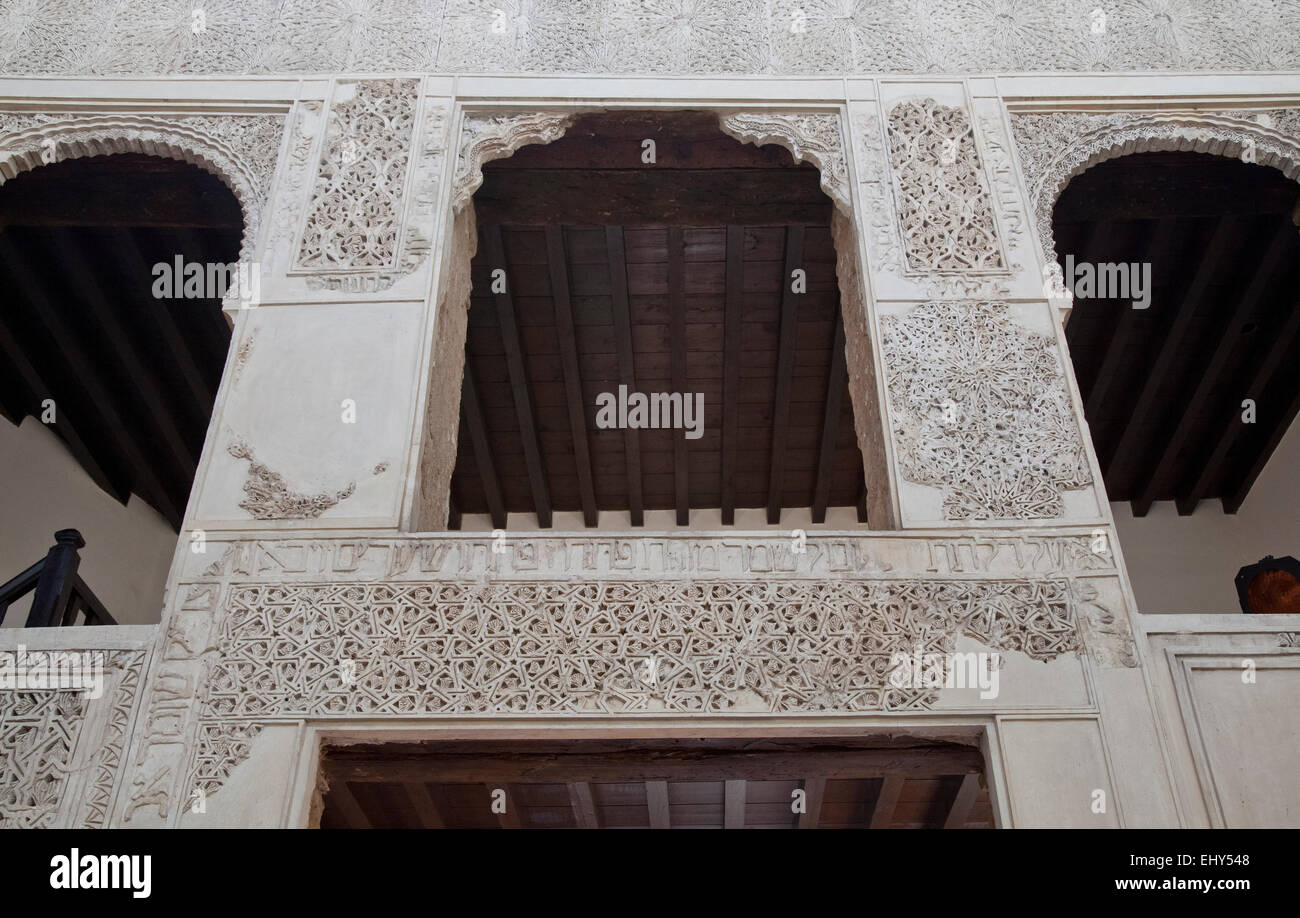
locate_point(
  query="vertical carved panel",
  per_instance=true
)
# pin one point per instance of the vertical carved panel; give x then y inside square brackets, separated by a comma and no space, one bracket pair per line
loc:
[355,216]
[944,205]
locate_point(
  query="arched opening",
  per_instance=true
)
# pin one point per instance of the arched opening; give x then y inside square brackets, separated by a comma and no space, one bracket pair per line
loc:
[1185,338]
[655,337]
[113,342]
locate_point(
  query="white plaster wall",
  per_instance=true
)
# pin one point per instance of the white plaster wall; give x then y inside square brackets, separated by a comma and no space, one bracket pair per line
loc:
[1187,563]
[128,549]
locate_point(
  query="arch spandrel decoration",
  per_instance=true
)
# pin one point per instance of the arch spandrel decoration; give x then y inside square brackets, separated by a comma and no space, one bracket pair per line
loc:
[1054,147]
[241,150]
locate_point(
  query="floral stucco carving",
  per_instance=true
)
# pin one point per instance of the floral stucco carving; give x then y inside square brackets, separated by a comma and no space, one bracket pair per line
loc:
[269,497]
[485,137]
[645,36]
[1267,137]
[809,136]
[241,150]
[981,411]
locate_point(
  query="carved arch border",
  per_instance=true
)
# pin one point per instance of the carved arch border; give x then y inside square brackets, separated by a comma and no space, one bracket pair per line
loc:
[1099,137]
[485,135]
[79,137]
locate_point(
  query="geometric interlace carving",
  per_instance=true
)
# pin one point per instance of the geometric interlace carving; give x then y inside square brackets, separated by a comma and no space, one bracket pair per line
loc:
[38,732]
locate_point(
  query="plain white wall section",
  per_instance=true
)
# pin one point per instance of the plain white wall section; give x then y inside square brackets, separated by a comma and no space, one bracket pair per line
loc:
[1187,563]
[128,549]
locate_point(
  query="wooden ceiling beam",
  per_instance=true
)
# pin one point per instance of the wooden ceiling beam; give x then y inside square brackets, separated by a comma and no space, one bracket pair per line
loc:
[472,413]
[1211,380]
[685,765]
[349,810]
[656,797]
[145,382]
[617,255]
[658,197]
[882,811]
[959,812]
[584,805]
[423,805]
[179,347]
[733,808]
[735,286]
[519,385]
[558,265]
[836,381]
[16,357]
[1231,426]
[145,479]
[677,334]
[784,372]
[1137,425]
[814,790]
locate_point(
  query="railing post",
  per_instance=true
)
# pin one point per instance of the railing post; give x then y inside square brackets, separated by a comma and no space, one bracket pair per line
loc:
[58,576]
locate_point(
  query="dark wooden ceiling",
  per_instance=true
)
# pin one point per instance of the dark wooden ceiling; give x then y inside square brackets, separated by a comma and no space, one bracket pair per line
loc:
[133,378]
[649,784]
[664,277]
[1163,386]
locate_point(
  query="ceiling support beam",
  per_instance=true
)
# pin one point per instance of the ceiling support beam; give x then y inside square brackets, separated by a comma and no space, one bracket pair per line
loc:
[1211,381]
[656,798]
[568,341]
[784,372]
[423,805]
[179,348]
[635,766]
[519,381]
[882,812]
[80,271]
[836,381]
[735,285]
[472,413]
[733,810]
[677,334]
[1116,350]
[959,812]
[1231,426]
[814,790]
[145,480]
[584,805]
[626,366]
[354,817]
[1171,347]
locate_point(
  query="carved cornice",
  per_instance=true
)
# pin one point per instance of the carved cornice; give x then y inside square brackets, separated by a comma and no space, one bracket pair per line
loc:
[485,137]
[811,137]
[1055,147]
[241,150]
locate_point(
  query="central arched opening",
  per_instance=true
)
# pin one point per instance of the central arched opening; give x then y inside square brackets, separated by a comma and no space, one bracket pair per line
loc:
[655,337]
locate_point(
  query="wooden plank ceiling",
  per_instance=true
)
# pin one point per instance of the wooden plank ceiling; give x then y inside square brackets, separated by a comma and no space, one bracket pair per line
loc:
[664,277]
[656,784]
[133,378]
[1163,386]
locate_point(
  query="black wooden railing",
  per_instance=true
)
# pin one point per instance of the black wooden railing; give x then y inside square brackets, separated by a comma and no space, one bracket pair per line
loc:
[60,592]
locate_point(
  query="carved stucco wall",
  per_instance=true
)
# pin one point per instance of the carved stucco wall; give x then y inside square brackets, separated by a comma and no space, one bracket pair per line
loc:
[562,626]
[61,753]
[644,36]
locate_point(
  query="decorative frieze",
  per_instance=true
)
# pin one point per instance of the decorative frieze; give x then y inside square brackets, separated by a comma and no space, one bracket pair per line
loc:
[809,136]
[485,137]
[980,410]
[635,36]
